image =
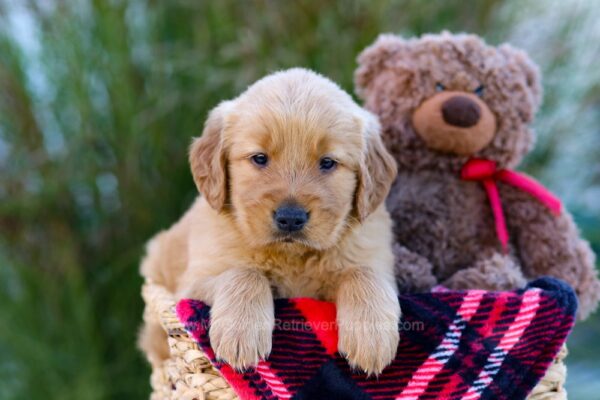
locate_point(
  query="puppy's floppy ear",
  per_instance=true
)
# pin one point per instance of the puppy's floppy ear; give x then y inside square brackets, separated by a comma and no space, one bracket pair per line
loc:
[208,160]
[377,168]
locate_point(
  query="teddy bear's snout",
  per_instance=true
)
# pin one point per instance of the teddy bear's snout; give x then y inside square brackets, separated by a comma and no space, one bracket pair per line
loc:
[461,111]
[455,122]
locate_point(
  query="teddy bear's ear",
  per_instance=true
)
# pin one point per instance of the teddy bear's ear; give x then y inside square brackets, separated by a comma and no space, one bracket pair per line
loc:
[521,61]
[372,60]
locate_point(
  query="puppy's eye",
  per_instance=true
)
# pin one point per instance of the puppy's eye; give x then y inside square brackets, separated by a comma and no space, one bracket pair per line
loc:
[439,87]
[327,164]
[480,91]
[260,159]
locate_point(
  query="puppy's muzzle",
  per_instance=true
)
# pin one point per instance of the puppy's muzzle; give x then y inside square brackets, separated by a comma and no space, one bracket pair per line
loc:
[290,218]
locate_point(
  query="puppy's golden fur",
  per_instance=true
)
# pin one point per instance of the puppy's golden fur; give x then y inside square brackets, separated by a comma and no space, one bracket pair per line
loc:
[227,251]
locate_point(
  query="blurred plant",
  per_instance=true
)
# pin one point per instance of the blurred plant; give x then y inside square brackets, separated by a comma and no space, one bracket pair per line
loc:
[99,101]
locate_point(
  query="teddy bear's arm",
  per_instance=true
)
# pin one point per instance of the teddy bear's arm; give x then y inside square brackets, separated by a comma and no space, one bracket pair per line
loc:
[549,244]
[491,271]
[414,273]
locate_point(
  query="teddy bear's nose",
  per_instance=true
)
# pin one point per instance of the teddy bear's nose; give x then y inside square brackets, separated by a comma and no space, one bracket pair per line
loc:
[461,111]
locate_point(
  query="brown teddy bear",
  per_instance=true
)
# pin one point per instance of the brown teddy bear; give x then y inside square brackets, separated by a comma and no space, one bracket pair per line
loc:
[455,112]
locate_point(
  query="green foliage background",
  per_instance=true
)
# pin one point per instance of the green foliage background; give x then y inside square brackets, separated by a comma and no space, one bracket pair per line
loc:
[99,100]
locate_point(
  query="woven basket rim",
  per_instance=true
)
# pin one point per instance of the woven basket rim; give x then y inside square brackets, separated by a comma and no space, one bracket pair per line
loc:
[205,382]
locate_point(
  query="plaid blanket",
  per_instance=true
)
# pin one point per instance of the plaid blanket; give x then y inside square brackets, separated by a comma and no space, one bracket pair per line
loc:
[454,345]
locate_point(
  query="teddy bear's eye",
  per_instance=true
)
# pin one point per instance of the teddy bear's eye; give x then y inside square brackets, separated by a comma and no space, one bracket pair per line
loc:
[439,87]
[480,91]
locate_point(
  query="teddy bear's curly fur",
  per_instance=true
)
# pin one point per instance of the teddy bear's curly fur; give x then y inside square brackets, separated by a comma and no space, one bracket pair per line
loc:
[444,226]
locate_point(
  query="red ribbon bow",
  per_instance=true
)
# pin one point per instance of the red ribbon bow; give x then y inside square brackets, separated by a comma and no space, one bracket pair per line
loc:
[486,171]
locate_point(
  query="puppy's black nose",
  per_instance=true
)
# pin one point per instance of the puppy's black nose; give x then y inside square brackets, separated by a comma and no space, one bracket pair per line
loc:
[290,218]
[461,111]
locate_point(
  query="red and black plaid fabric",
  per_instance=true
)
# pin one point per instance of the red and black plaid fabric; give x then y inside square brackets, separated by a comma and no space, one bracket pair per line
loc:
[454,345]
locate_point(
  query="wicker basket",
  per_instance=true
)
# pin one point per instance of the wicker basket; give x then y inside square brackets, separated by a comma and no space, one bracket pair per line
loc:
[189,375]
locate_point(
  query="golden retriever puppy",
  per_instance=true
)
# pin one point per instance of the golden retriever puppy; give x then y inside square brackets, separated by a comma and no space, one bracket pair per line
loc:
[293,175]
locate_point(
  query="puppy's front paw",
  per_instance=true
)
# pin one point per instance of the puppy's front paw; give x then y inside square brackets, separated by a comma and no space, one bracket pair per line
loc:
[368,339]
[241,341]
